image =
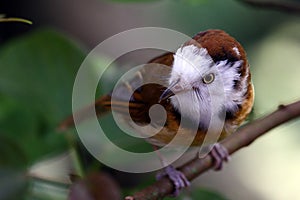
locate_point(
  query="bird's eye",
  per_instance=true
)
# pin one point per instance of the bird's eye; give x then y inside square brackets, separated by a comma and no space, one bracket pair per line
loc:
[208,78]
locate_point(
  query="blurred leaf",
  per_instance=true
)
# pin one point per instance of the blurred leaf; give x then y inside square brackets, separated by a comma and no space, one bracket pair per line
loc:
[96,186]
[145,1]
[37,72]
[278,55]
[226,15]
[195,2]
[206,194]
[200,194]
[11,153]
[12,184]
[15,117]
[133,1]
[121,139]
[41,189]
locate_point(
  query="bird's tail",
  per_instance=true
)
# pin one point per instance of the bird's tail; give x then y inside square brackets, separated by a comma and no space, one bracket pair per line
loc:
[102,106]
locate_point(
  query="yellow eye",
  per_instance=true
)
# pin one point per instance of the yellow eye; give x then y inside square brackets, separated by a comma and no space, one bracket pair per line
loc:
[208,78]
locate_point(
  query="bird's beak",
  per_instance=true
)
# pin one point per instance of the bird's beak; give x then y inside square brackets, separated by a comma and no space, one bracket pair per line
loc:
[168,92]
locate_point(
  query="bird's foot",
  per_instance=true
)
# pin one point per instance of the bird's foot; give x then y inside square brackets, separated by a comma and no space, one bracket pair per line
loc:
[219,154]
[177,177]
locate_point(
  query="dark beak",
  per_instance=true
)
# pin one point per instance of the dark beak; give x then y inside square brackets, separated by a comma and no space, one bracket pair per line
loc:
[165,95]
[168,92]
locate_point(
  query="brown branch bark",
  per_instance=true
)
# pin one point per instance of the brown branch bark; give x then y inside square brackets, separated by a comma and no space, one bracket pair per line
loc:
[290,7]
[241,138]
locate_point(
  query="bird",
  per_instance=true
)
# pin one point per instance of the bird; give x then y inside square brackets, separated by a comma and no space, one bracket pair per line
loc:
[209,57]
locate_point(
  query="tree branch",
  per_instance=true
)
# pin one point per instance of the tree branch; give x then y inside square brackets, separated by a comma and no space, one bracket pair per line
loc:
[290,7]
[241,138]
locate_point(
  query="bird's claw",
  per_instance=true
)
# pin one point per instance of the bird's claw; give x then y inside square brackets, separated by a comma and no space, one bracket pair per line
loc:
[177,177]
[220,154]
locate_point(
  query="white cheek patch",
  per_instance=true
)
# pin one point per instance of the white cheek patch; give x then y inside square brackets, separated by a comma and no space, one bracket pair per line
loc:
[228,73]
[190,62]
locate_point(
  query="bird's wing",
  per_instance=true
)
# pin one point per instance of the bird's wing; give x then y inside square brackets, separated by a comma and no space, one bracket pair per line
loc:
[142,96]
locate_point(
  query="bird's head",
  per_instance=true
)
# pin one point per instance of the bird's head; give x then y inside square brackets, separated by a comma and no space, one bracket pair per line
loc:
[212,66]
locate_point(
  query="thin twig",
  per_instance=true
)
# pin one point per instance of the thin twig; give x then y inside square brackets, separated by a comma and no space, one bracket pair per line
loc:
[290,7]
[241,138]
[15,19]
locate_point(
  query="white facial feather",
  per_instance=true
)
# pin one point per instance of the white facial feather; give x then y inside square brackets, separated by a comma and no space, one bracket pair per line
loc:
[236,50]
[190,65]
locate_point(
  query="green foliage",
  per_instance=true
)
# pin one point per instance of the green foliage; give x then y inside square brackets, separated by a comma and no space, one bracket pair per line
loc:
[36,76]
[200,194]
[206,195]
[133,1]
[145,1]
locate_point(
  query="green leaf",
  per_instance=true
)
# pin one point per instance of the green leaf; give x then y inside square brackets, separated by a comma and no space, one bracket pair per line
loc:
[145,1]
[37,72]
[11,153]
[195,2]
[200,194]
[207,195]
[133,1]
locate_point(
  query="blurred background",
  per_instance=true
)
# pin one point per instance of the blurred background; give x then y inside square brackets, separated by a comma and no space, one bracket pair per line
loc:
[38,64]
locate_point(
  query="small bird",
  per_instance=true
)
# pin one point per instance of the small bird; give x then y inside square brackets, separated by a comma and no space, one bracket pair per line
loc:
[209,57]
